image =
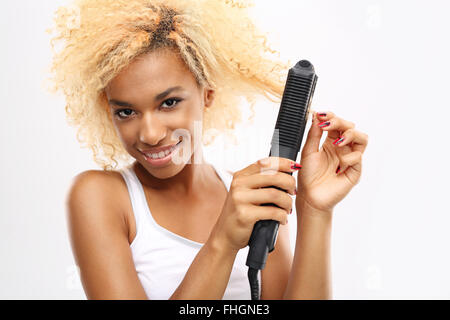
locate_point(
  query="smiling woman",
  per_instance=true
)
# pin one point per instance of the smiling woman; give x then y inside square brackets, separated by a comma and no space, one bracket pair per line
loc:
[143,81]
[234,62]
[163,104]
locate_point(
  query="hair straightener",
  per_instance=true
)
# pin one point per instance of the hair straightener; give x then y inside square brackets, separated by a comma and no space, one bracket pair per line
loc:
[286,142]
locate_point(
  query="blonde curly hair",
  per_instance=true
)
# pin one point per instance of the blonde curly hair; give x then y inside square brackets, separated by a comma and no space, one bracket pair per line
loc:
[215,38]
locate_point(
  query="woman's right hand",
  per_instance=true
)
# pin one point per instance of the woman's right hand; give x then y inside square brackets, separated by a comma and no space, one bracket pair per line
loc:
[250,188]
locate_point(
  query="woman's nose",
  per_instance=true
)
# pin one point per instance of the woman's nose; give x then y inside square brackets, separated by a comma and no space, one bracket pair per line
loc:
[152,130]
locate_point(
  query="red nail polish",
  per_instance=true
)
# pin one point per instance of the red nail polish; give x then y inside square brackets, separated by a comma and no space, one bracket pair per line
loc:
[296,166]
[338,169]
[324,124]
[338,140]
[290,211]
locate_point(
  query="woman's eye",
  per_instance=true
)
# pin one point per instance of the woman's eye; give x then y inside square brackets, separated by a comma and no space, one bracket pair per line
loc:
[171,103]
[123,114]
[120,113]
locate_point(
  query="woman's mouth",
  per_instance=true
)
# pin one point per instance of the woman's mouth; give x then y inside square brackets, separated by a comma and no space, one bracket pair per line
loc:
[162,157]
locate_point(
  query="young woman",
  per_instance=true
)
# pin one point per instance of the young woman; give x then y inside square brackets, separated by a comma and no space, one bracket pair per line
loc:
[140,78]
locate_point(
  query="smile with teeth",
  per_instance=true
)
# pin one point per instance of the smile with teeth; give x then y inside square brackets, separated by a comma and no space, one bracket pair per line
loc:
[161,154]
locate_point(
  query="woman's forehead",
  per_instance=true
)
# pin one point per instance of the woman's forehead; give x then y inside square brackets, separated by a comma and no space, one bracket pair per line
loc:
[154,71]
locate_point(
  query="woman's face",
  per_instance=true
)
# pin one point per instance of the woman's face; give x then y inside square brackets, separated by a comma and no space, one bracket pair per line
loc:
[155,103]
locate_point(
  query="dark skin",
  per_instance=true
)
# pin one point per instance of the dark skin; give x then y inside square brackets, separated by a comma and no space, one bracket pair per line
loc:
[179,194]
[101,221]
[173,188]
[151,122]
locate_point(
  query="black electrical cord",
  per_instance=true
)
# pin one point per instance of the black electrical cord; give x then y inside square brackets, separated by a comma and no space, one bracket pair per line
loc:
[254,283]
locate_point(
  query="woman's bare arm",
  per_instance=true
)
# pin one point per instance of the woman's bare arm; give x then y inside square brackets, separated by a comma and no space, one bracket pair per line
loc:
[209,273]
[274,276]
[99,239]
[310,276]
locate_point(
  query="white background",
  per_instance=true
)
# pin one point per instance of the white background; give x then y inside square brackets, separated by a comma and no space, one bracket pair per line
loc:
[383,65]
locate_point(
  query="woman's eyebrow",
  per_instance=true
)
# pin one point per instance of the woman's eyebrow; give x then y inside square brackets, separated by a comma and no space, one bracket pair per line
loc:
[119,103]
[162,95]
[158,97]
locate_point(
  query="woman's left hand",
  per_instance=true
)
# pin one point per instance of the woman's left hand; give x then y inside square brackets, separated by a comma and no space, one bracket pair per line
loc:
[328,174]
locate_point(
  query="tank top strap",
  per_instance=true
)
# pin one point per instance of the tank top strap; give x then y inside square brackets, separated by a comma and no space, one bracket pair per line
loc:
[141,210]
[161,276]
[226,176]
[136,194]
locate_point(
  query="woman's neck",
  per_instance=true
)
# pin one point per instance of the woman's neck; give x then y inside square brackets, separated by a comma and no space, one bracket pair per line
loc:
[195,177]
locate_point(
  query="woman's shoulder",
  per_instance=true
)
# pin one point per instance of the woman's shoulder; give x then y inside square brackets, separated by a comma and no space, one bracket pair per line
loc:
[97,188]
[106,180]
[99,235]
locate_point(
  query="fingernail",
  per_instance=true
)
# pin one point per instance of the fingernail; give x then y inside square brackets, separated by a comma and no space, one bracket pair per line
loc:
[338,169]
[296,166]
[295,192]
[338,140]
[322,114]
[324,124]
[290,211]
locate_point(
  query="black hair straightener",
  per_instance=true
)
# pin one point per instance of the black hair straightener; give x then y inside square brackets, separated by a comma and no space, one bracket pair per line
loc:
[286,142]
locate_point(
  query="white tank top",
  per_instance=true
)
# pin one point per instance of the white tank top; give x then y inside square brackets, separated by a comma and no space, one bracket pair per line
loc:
[162,257]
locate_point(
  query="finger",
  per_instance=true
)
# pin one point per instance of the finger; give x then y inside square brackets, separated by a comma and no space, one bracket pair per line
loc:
[268,213]
[313,139]
[278,179]
[268,195]
[324,115]
[358,140]
[335,126]
[351,164]
[269,165]
[278,164]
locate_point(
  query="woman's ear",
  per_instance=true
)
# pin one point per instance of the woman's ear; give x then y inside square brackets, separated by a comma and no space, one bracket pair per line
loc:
[208,95]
